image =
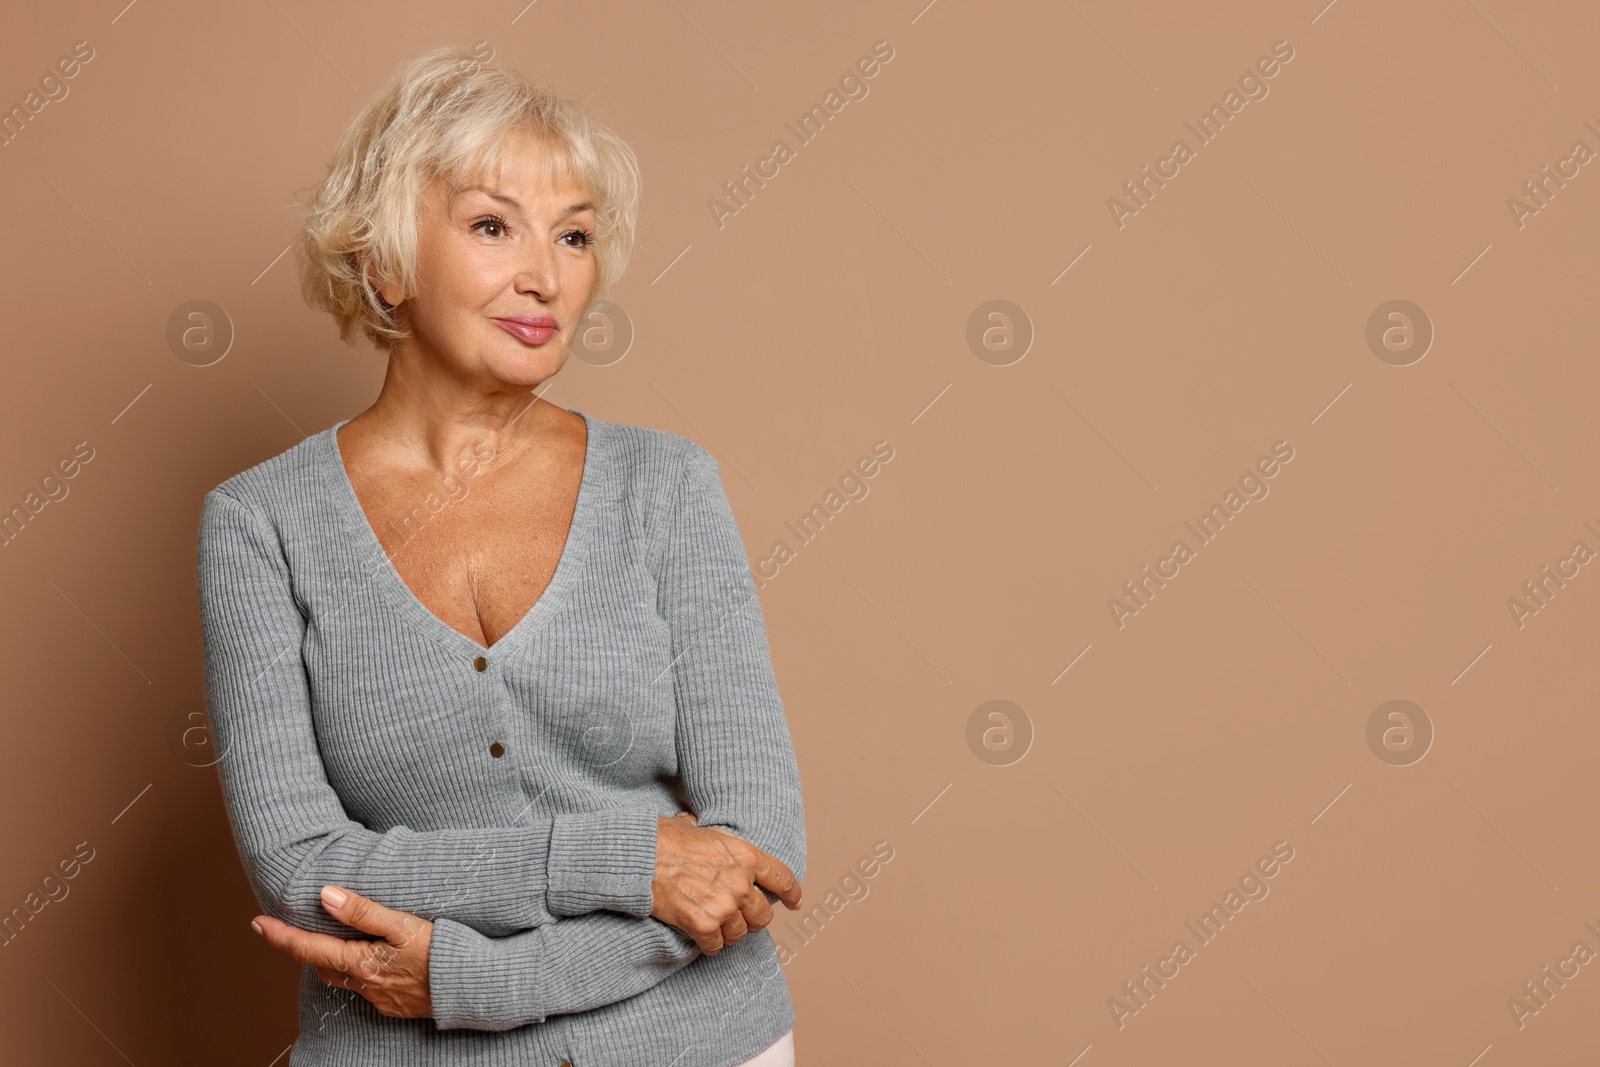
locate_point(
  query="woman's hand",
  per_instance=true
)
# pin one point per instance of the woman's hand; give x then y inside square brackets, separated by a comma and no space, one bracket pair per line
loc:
[706,883]
[391,972]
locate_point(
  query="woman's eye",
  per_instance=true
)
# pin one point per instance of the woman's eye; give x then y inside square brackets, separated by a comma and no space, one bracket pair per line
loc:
[499,223]
[585,237]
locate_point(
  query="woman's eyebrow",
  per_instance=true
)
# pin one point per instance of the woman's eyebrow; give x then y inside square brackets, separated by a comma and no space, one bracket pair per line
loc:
[506,198]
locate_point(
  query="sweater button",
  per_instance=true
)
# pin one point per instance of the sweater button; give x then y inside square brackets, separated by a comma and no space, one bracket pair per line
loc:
[480,664]
[497,750]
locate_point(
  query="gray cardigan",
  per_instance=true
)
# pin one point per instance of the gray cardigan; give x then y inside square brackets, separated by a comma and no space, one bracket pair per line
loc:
[509,794]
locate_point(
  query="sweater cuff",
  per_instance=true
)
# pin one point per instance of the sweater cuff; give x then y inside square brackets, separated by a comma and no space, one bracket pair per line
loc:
[602,860]
[475,985]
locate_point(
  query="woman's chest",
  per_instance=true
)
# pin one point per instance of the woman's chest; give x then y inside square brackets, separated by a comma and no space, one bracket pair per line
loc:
[477,561]
[421,726]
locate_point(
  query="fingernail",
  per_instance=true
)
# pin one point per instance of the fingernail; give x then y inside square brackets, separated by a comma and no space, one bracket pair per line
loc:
[333,896]
[257,927]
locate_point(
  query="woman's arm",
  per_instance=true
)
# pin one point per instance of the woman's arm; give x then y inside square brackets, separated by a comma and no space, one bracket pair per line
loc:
[735,755]
[444,970]
[292,832]
[490,983]
[737,765]
[448,972]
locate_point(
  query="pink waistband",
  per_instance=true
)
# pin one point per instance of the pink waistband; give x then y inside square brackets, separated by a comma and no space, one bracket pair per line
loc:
[779,1054]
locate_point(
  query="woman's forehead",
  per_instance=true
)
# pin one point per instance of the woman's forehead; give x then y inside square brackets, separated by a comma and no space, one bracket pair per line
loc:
[523,160]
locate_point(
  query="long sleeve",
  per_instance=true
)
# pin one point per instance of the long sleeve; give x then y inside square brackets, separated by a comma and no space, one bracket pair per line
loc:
[736,764]
[292,831]
[496,983]
[735,755]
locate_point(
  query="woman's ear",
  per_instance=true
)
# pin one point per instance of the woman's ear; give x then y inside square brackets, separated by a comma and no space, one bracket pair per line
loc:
[389,293]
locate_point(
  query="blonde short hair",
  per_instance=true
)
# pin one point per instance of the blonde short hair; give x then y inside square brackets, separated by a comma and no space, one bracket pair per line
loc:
[446,114]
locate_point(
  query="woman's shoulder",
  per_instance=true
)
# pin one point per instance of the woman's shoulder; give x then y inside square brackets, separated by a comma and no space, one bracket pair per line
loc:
[271,484]
[655,475]
[650,458]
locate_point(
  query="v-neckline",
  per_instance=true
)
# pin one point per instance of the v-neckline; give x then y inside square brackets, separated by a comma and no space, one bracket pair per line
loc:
[573,554]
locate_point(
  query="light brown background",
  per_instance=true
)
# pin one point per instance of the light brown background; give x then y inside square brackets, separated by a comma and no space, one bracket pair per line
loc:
[828,314]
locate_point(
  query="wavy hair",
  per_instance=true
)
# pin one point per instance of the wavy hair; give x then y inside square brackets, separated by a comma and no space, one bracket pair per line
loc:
[446,115]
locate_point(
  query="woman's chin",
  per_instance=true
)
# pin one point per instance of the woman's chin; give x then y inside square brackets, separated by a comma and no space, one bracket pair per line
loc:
[528,368]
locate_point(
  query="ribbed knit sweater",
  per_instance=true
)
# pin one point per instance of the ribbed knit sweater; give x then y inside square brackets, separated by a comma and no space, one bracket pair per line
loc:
[511,793]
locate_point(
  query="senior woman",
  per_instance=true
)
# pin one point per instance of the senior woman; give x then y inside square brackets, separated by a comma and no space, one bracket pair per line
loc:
[499,736]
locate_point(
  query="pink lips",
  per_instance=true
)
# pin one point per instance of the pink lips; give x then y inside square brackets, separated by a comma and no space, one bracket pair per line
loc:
[529,329]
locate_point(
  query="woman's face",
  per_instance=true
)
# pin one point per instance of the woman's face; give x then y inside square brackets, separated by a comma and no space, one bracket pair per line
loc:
[492,250]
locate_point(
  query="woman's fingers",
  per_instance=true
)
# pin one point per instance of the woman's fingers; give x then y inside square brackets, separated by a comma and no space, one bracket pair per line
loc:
[764,869]
[709,883]
[322,951]
[742,908]
[392,973]
[775,875]
[707,934]
[368,916]
[758,914]
[734,929]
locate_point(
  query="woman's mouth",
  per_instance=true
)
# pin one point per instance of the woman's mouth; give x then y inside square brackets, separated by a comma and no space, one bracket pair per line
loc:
[529,329]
